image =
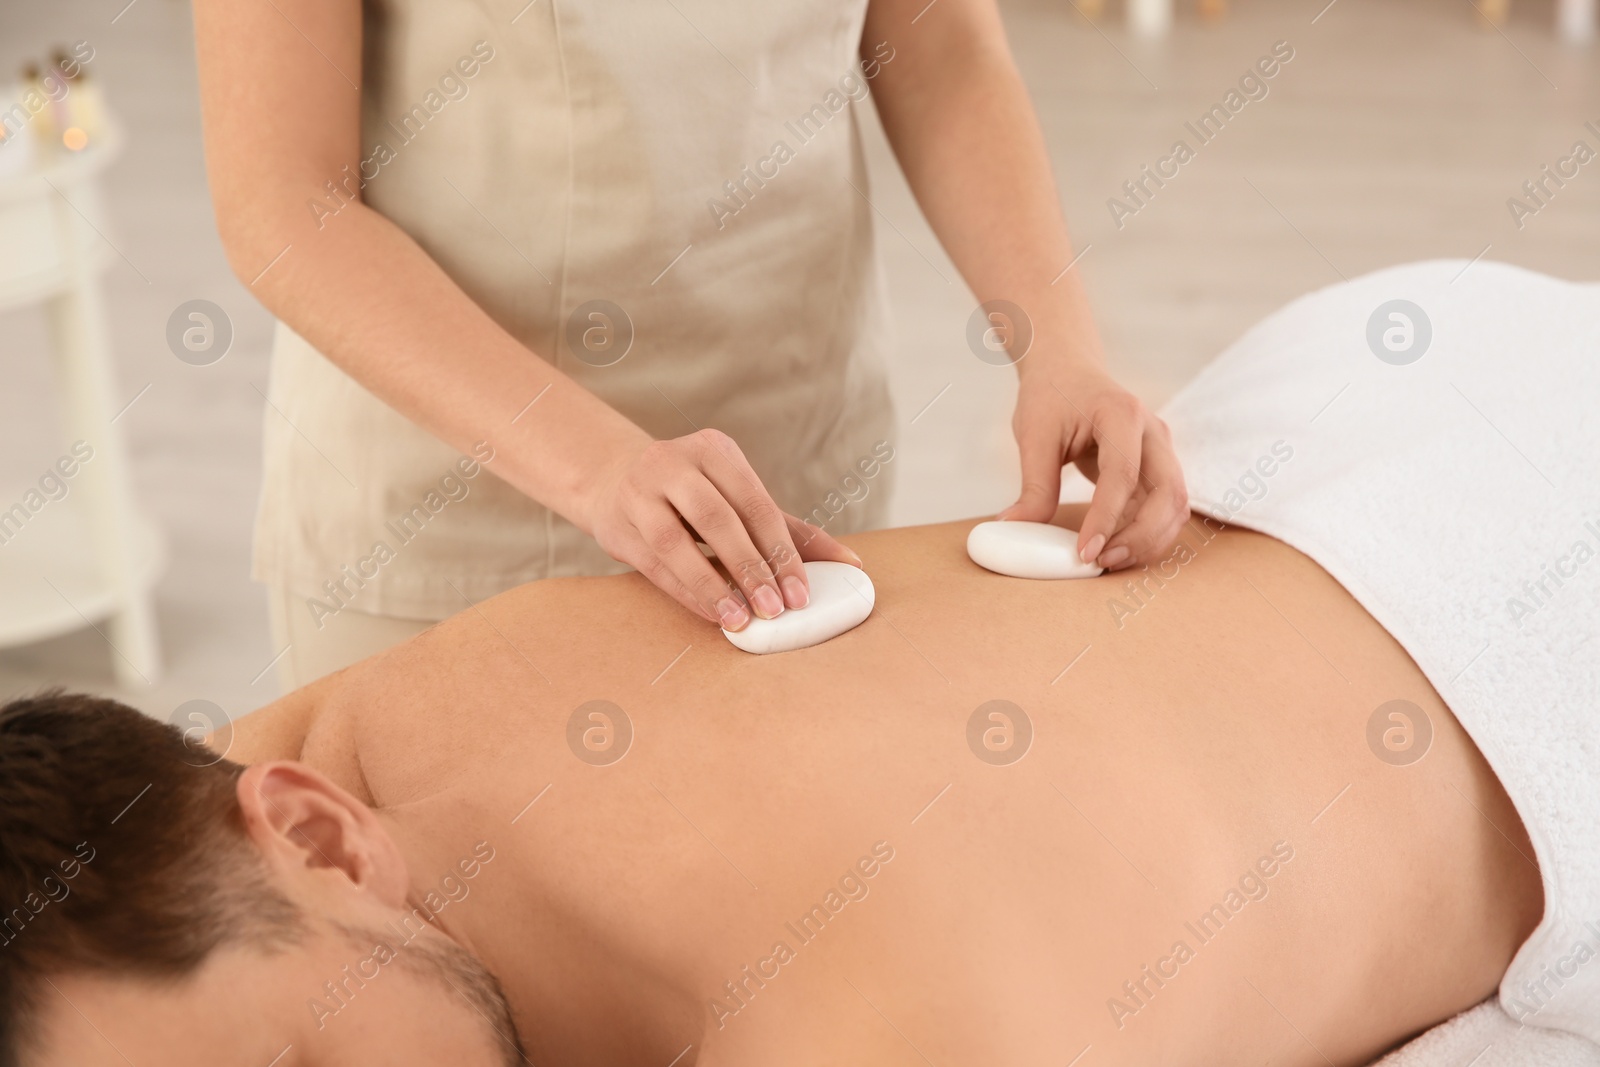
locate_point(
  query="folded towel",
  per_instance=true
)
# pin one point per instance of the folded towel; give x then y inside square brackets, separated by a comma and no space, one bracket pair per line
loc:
[1444,425]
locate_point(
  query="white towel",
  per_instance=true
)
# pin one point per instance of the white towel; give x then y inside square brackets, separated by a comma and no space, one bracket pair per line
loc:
[1486,1036]
[1446,465]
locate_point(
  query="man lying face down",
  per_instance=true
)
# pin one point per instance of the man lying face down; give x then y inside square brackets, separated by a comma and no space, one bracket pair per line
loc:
[184,887]
[999,822]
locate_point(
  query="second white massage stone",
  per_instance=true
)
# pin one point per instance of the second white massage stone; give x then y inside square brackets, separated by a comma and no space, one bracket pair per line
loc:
[841,598]
[1028,550]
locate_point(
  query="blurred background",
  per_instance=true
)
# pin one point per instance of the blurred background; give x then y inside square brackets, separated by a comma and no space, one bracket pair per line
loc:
[1400,130]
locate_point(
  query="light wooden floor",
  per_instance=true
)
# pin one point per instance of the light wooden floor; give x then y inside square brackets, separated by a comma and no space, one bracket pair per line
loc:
[1397,132]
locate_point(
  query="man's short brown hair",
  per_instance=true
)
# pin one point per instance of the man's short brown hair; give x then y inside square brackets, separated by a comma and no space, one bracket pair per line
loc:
[122,849]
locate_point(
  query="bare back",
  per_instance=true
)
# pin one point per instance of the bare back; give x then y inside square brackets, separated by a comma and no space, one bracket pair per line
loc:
[1178,842]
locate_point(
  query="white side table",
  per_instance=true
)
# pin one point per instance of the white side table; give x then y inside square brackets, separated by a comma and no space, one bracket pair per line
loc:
[90,557]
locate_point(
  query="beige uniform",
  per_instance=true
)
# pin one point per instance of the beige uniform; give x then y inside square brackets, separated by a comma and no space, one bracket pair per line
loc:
[665,200]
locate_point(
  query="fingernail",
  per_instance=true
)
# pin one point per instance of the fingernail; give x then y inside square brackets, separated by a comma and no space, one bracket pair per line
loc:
[1092,549]
[732,613]
[794,591]
[767,602]
[853,557]
[1114,557]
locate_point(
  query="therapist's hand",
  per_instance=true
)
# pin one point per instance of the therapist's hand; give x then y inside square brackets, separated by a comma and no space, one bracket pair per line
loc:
[649,506]
[1081,416]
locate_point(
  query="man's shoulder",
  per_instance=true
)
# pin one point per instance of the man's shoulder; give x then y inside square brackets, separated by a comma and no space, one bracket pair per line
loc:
[277,730]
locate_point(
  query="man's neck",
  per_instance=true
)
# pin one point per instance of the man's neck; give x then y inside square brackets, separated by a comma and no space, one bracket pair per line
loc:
[542,983]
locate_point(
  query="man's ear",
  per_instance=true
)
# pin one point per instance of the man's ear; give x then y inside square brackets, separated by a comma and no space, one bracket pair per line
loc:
[301,822]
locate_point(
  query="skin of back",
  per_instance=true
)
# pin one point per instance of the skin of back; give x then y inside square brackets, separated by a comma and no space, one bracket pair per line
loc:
[1198,858]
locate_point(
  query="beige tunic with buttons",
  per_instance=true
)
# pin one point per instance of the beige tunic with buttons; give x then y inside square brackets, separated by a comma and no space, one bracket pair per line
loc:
[664,198]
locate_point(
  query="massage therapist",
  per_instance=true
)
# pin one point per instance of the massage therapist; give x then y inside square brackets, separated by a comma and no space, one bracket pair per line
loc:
[563,283]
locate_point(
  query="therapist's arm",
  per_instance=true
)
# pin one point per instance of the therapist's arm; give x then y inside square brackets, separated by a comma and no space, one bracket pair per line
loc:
[962,127]
[282,117]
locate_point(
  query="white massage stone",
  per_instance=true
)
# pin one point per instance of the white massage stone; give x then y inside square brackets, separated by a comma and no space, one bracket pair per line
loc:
[1028,550]
[841,598]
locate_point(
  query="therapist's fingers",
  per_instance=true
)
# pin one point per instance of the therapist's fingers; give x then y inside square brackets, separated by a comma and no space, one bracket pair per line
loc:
[1042,454]
[1118,426]
[1161,513]
[631,549]
[672,561]
[720,525]
[780,564]
[815,544]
